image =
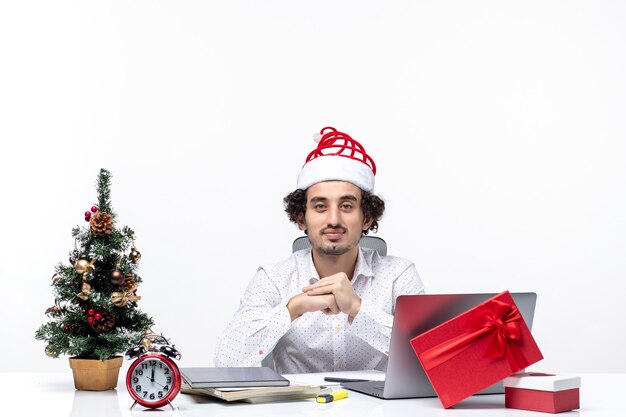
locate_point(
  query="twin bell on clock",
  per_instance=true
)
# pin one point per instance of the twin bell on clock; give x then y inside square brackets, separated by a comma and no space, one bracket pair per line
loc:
[153,379]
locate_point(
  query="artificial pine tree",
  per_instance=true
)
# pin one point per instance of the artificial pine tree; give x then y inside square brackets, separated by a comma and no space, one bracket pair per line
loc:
[95,314]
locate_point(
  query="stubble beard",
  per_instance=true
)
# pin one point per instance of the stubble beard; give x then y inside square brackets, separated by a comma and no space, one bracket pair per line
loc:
[334,249]
[331,248]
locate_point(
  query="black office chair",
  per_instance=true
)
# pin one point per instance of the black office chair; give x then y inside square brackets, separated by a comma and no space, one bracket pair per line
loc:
[371,242]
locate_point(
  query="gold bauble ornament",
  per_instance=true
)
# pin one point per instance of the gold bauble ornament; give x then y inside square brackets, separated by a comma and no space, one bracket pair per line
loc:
[83,265]
[135,255]
[48,351]
[145,342]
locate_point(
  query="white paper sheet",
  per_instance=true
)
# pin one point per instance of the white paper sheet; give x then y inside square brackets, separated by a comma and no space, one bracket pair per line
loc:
[315,379]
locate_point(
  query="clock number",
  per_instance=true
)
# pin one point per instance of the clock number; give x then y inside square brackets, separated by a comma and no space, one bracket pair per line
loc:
[144,365]
[138,372]
[166,388]
[138,388]
[167,371]
[145,393]
[169,380]
[153,363]
[160,394]
[152,396]
[135,379]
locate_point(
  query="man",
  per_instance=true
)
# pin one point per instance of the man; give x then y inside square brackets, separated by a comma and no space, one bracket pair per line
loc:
[328,308]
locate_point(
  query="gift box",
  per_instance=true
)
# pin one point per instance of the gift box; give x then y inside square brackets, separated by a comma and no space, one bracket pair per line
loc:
[542,392]
[476,349]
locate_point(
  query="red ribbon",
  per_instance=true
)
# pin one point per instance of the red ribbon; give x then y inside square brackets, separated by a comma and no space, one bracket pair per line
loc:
[495,319]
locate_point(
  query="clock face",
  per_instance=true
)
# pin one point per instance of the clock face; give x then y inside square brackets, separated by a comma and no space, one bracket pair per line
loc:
[153,380]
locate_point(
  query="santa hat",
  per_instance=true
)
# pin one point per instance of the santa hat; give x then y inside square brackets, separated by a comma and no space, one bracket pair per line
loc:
[337,157]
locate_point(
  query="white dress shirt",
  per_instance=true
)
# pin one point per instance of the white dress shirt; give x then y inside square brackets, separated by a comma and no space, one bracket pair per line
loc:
[316,342]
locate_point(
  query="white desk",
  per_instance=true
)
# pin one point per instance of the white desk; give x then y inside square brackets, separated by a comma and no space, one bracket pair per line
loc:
[53,394]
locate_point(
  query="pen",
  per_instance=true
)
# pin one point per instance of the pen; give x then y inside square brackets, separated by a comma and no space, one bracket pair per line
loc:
[333,396]
[336,379]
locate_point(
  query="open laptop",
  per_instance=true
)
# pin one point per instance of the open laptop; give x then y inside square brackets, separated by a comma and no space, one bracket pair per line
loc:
[414,315]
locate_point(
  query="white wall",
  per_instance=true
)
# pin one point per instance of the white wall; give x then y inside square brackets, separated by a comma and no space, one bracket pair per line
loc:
[498,129]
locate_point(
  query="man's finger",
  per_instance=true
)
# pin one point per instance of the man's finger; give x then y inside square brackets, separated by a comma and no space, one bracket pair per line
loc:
[322,283]
[320,291]
[318,284]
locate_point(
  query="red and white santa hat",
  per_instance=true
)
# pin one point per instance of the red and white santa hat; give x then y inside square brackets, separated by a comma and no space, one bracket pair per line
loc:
[337,157]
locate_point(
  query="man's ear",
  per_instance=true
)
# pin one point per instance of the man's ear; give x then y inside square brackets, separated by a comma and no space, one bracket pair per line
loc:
[301,223]
[367,223]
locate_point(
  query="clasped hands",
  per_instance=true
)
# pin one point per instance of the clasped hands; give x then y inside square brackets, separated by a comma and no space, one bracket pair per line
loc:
[330,295]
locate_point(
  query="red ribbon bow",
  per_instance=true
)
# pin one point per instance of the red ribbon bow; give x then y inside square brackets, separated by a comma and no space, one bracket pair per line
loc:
[494,319]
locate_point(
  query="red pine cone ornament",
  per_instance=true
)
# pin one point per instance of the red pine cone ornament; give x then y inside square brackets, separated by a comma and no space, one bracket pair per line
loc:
[100,322]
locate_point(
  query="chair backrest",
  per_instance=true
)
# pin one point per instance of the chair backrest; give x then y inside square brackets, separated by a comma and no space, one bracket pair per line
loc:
[371,242]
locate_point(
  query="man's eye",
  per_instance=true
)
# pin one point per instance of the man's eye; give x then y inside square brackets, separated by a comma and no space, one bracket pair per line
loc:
[319,207]
[346,206]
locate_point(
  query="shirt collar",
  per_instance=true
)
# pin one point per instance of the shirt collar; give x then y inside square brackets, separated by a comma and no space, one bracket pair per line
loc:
[364,264]
[313,274]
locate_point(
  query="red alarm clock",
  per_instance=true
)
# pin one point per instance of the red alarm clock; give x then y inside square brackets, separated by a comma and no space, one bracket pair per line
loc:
[153,379]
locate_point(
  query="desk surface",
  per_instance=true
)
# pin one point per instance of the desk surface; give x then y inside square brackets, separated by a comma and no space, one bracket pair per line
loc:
[53,394]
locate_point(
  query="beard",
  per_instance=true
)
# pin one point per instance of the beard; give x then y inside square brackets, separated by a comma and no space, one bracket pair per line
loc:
[334,249]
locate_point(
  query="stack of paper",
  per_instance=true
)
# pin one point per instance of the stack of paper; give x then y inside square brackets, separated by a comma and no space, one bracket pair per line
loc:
[256,395]
[250,384]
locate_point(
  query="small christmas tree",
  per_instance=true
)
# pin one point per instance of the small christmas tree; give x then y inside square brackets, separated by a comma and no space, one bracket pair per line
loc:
[95,314]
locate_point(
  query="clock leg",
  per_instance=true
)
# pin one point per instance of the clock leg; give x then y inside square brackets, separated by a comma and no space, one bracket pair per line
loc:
[134,404]
[170,403]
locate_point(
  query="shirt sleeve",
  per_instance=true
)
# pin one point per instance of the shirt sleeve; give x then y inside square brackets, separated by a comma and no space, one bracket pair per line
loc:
[260,321]
[373,322]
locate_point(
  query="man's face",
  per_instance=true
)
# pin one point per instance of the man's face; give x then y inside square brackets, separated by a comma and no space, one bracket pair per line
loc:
[334,219]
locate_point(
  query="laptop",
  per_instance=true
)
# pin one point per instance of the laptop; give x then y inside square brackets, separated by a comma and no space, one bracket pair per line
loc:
[414,315]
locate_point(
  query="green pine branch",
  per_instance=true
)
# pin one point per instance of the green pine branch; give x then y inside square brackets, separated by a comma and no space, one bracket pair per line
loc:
[103,186]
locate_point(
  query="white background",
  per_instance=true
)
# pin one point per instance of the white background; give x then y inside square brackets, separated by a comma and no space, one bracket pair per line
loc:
[497,127]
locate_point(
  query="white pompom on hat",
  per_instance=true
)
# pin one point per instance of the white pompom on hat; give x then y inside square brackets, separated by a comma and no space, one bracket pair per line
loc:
[337,157]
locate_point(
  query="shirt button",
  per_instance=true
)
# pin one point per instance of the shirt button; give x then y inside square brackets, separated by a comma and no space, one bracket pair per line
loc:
[338,329]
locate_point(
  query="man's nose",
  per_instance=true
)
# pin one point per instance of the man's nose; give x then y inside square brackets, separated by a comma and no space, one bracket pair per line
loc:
[333,215]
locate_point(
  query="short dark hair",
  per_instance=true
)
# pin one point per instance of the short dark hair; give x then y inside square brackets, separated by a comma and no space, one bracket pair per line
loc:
[372,205]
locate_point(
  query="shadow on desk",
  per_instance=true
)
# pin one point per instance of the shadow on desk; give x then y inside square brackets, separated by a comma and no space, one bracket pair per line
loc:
[476,405]
[96,404]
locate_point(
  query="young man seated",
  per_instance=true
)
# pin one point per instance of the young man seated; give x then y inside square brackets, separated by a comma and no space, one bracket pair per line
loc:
[330,307]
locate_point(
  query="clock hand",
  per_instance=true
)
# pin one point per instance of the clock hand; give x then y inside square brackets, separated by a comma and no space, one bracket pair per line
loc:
[152,378]
[161,385]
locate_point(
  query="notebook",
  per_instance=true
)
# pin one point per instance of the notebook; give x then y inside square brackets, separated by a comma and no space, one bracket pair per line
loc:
[216,377]
[256,395]
[414,314]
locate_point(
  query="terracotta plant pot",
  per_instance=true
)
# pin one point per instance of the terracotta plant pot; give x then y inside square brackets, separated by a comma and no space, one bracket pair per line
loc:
[94,374]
